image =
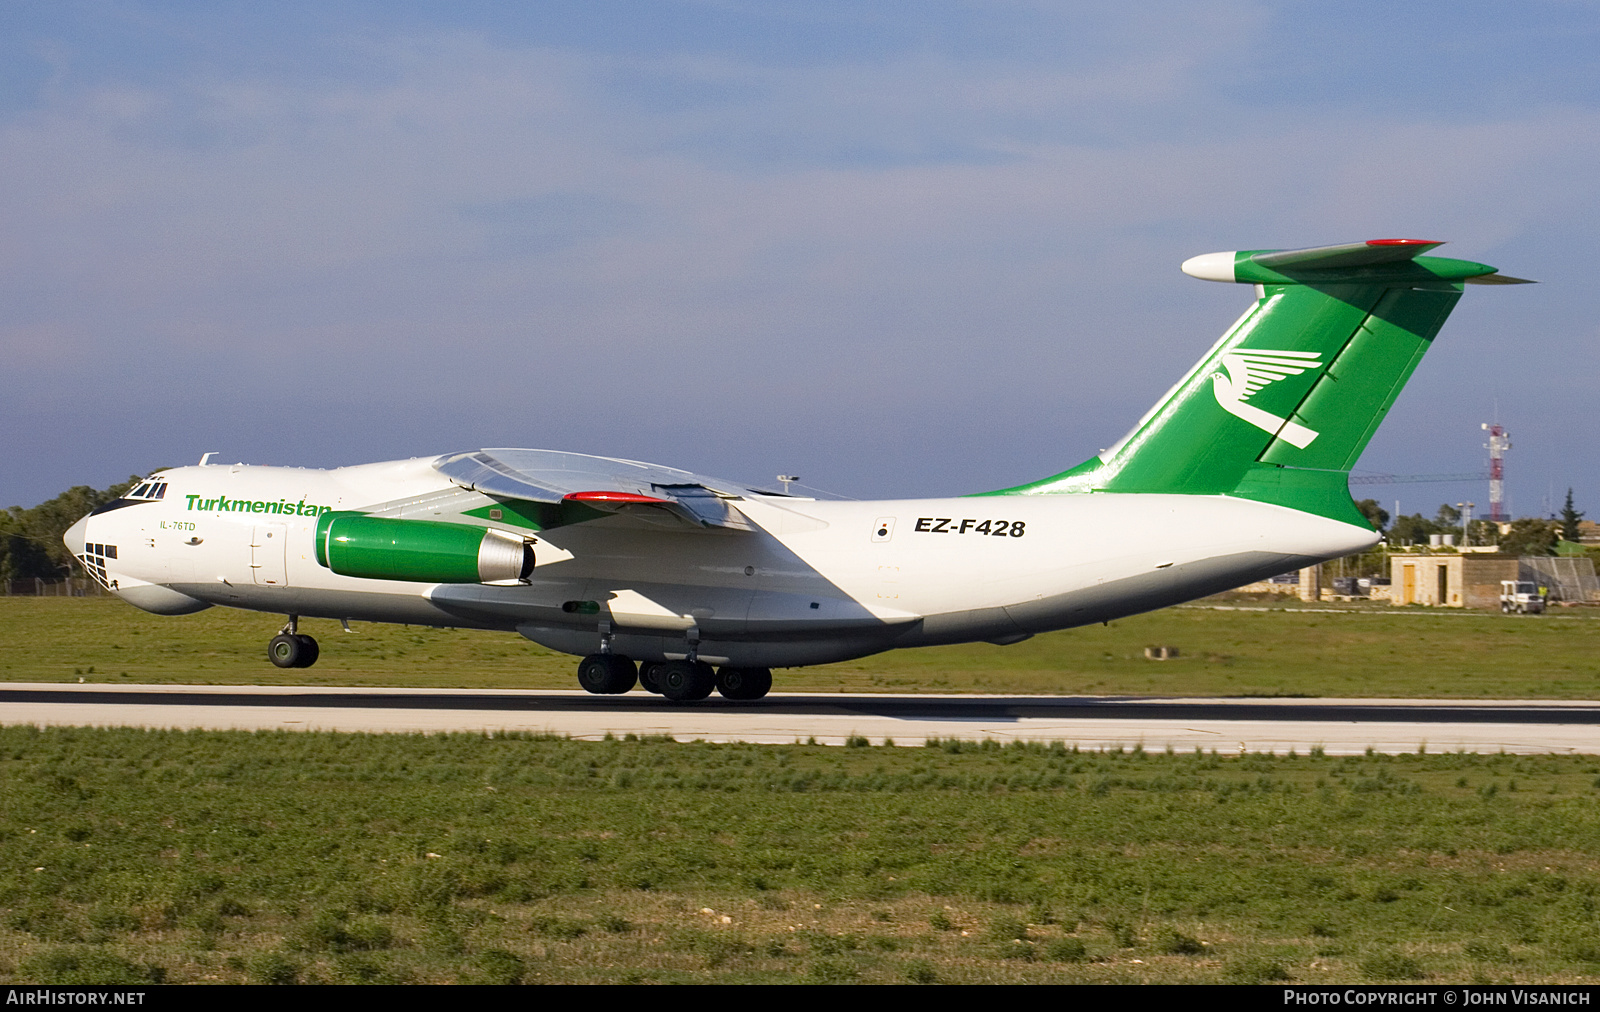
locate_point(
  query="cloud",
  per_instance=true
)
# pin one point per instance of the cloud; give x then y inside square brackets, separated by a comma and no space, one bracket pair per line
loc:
[970,257]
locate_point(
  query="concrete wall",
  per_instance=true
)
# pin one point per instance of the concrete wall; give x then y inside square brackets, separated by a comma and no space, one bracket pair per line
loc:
[1484,573]
[1468,581]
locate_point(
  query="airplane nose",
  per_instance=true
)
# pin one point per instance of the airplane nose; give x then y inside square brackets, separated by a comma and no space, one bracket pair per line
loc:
[76,535]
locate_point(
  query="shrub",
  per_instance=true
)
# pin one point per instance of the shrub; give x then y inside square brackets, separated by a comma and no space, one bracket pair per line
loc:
[832,971]
[497,966]
[1066,950]
[86,966]
[1123,934]
[1388,964]
[1007,929]
[1176,943]
[560,928]
[1255,970]
[1486,951]
[920,971]
[274,968]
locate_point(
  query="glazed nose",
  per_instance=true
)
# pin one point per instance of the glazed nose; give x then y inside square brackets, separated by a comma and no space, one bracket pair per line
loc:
[76,536]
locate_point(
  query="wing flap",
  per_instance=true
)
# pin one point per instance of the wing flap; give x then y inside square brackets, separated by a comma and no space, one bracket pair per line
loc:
[482,472]
[657,495]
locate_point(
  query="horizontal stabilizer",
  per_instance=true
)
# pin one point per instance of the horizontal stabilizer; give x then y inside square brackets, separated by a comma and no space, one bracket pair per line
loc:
[1376,261]
[1350,254]
[1498,279]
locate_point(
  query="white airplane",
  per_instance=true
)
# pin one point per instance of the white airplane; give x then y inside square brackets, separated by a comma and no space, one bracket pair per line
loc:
[655,575]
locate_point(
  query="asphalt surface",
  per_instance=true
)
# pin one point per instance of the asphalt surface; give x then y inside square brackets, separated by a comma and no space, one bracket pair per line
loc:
[1234,724]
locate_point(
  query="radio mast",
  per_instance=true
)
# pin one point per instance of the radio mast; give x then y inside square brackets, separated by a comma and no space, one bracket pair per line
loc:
[1499,442]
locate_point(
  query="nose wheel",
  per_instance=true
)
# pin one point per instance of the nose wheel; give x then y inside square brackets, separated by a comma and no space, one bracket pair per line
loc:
[292,650]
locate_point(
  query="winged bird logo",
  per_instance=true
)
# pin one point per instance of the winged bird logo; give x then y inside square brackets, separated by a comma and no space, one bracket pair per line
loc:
[1245,373]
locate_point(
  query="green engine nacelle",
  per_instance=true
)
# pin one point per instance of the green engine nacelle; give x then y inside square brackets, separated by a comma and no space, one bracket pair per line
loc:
[420,551]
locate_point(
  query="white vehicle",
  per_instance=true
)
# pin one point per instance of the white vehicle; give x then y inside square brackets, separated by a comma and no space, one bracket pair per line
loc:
[1520,596]
[1239,473]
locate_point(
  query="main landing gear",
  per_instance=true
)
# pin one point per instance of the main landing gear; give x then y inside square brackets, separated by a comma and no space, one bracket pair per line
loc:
[680,681]
[292,649]
[607,674]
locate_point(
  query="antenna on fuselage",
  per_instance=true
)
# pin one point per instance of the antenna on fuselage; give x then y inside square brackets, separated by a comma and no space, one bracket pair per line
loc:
[786,479]
[207,456]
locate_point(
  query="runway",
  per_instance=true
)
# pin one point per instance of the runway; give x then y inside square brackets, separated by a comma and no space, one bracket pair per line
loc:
[1338,726]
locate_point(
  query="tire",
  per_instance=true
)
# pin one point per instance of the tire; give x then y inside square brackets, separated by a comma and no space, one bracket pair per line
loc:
[285,650]
[594,674]
[650,676]
[683,682]
[624,674]
[744,683]
[606,674]
[309,651]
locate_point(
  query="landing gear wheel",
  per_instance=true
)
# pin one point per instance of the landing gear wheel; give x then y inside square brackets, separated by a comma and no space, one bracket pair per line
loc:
[650,676]
[309,651]
[285,650]
[687,681]
[744,683]
[606,674]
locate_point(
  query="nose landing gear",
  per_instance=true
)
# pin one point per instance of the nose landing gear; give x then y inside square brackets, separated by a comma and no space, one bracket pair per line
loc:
[292,649]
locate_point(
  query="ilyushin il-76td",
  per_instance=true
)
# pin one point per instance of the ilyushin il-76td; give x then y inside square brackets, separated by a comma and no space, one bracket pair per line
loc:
[685,584]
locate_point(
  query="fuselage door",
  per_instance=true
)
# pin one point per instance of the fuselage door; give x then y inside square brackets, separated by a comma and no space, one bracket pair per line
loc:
[267,554]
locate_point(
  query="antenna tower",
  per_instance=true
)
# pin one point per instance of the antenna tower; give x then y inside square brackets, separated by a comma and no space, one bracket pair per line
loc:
[1499,442]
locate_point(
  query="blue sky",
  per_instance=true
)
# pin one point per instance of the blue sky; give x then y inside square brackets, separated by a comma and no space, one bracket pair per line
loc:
[898,249]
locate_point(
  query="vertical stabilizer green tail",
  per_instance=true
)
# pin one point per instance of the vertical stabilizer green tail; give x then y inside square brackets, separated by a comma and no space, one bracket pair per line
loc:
[1281,407]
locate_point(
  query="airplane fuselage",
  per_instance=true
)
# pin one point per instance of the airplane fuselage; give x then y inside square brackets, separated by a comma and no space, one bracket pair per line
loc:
[808,582]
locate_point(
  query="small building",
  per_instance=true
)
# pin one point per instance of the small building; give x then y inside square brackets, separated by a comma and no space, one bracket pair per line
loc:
[1473,580]
[1450,580]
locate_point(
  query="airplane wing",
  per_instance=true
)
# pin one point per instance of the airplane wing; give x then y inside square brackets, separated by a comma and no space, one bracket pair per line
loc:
[648,492]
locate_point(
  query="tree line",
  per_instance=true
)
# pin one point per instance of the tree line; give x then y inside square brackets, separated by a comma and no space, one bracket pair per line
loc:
[1526,536]
[30,539]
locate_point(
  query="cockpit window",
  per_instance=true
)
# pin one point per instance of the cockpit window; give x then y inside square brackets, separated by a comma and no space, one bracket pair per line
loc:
[148,490]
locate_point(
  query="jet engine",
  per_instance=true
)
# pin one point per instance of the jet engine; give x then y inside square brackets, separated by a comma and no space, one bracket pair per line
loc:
[421,551]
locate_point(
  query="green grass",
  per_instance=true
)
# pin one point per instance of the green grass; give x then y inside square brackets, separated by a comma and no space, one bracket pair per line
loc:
[225,856]
[1371,651]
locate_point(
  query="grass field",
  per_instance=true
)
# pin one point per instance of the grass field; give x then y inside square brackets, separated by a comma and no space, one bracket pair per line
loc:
[129,856]
[232,857]
[1372,651]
